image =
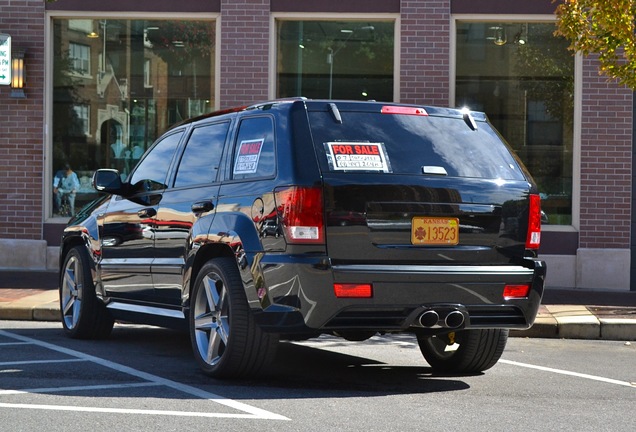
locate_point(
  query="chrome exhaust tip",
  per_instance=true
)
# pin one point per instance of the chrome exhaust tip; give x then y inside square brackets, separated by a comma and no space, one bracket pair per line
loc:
[454,319]
[429,318]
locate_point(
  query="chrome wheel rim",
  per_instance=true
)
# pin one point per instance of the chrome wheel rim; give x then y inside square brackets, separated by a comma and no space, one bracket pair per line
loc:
[71,297]
[211,319]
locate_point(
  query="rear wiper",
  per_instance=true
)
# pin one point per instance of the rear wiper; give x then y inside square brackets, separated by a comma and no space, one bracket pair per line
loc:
[468,118]
[335,112]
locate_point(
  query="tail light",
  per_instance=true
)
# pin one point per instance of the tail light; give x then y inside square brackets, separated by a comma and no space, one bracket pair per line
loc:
[533,240]
[516,291]
[353,290]
[300,211]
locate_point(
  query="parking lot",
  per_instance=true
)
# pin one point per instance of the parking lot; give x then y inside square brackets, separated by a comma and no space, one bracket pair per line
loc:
[145,379]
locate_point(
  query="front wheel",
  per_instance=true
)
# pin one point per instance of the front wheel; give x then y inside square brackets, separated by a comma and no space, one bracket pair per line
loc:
[466,351]
[226,340]
[83,315]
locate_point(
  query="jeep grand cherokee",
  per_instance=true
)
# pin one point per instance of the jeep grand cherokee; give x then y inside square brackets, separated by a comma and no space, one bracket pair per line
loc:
[295,218]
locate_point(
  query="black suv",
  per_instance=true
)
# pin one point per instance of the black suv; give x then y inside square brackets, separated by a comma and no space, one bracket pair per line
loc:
[293,218]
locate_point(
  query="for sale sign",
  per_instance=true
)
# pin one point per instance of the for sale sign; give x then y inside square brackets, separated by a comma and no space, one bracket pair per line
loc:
[5,59]
[249,153]
[356,156]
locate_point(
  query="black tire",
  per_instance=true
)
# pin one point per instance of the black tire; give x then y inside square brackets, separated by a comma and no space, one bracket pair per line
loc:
[226,341]
[83,315]
[473,351]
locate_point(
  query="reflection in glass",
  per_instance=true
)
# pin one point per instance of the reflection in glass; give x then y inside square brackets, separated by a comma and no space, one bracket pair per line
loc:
[119,84]
[335,59]
[522,77]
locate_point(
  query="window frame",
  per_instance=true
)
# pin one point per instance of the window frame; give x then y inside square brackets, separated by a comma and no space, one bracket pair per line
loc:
[578,96]
[362,17]
[86,121]
[80,72]
[234,144]
[184,147]
[51,15]
[170,171]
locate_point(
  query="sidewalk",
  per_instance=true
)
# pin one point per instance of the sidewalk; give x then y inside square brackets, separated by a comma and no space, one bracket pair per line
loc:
[570,314]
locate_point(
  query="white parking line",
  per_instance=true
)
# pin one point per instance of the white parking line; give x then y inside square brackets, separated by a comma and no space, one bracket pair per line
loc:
[78,388]
[570,373]
[26,362]
[136,411]
[252,412]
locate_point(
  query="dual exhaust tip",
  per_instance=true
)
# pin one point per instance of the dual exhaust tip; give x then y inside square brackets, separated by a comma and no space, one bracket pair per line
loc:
[448,319]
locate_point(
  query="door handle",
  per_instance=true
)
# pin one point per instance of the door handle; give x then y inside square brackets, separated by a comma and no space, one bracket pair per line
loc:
[147,213]
[202,207]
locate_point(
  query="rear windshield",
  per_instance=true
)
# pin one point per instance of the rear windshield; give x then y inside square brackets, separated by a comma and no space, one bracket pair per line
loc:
[409,144]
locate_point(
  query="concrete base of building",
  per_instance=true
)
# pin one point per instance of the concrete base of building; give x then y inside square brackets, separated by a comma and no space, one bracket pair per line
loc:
[603,269]
[598,269]
[23,254]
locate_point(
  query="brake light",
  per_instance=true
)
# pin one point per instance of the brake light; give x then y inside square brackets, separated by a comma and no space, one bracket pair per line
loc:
[353,290]
[533,240]
[516,291]
[300,211]
[388,109]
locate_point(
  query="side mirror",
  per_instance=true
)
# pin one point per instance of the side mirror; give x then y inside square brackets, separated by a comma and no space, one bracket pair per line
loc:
[108,180]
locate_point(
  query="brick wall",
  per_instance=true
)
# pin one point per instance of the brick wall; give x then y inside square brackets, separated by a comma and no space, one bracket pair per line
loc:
[606,161]
[425,51]
[21,131]
[244,51]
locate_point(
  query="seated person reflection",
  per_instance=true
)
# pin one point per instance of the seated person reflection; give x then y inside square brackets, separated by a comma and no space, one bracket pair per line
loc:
[65,186]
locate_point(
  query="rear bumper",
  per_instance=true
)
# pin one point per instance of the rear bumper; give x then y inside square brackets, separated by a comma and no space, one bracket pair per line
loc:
[300,297]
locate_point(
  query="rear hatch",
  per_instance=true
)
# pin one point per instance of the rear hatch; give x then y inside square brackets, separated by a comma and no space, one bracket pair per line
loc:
[409,185]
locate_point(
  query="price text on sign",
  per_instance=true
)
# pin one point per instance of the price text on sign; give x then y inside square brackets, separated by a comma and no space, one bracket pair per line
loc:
[357,156]
[434,231]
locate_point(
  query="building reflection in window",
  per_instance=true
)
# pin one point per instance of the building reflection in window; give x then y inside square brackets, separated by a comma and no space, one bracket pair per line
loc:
[522,77]
[119,84]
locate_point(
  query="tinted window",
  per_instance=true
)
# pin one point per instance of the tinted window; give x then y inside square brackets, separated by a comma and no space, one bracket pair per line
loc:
[150,174]
[200,161]
[254,154]
[408,144]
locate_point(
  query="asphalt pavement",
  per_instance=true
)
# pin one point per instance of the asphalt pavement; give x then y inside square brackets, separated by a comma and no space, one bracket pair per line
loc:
[564,313]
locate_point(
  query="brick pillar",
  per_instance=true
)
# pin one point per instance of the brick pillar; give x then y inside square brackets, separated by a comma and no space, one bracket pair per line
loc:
[244,51]
[606,161]
[22,126]
[425,51]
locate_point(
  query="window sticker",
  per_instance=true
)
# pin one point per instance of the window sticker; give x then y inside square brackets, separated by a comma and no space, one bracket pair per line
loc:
[248,155]
[357,156]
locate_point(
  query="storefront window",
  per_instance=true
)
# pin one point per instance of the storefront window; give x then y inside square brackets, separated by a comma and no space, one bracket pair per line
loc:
[522,77]
[335,59]
[117,86]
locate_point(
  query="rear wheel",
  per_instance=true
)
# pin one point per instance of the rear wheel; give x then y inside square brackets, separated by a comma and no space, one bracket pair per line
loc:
[226,340]
[466,351]
[83,315]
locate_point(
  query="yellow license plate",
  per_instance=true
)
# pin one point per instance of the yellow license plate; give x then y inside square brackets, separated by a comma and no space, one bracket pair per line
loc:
[434,231]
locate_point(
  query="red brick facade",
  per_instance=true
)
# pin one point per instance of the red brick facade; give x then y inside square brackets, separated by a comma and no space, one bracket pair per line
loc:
[22,126]
[604,175]
[425,52]
[244,51]
[606,161]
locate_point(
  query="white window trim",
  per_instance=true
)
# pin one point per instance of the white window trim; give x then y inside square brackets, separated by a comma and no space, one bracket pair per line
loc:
[48,78]
[87,124]
[294,16]
[578,97]
[79,73]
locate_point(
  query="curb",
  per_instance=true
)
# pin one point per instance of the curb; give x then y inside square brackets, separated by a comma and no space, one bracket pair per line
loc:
[41,305]
[553,321]
[578,322]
